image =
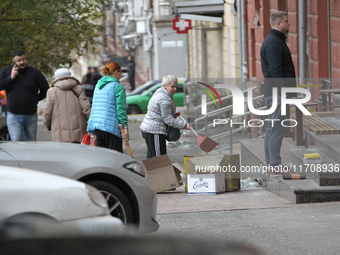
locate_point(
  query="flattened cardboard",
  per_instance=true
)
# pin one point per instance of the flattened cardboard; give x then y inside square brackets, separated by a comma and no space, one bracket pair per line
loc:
[178,170]
[191,166]
[232,177]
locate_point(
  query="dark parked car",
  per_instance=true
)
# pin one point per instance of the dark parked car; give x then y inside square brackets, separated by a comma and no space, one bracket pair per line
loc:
[4,135]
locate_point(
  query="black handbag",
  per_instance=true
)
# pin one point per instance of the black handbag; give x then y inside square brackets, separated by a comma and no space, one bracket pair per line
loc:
[173,134]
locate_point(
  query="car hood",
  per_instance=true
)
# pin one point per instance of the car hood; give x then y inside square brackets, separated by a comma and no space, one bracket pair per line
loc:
[66,159]
[23,190]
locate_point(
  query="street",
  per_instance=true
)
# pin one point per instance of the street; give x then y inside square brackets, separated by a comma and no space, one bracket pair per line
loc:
[295,229]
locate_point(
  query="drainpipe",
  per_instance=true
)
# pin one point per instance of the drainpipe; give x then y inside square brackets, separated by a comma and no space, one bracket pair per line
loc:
[148,24]
[302,41]
[239,24]
[244,66]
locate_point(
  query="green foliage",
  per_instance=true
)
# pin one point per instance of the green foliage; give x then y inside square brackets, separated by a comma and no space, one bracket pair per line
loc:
[49,30]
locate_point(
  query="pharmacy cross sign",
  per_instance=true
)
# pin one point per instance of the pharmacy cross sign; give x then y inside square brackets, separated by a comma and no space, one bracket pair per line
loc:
[181,25]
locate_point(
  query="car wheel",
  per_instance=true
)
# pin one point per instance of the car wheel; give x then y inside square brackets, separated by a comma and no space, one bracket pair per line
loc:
[133,109]
[119,206]
[4,135]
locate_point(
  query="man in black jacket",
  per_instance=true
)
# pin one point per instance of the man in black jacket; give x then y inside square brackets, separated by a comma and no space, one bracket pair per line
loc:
[95,75]
[278,70]
[25,86]
[131,72]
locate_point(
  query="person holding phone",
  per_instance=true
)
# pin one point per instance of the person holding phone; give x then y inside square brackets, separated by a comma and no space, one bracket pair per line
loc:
[25,86]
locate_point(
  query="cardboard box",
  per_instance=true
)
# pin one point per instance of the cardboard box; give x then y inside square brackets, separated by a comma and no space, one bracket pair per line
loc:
[201,184]
[161,174]
[187,168]
[214,164]
[232,177]
[209,164]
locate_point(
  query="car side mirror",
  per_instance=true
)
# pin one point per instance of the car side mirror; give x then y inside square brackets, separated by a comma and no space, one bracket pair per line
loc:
[149,94]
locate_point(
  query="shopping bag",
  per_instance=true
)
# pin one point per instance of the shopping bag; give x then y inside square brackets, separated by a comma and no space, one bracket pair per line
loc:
[173,134]
[89,139]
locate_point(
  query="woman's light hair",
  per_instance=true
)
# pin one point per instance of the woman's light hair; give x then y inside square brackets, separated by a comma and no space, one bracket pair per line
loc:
[167,79]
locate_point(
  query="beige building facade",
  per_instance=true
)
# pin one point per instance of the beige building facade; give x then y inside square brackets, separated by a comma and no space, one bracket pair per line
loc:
[213,48]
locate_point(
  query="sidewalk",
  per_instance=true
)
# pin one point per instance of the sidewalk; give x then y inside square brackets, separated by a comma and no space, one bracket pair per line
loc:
[180,202]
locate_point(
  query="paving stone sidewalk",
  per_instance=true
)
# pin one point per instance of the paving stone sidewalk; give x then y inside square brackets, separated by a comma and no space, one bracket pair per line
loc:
[180,202]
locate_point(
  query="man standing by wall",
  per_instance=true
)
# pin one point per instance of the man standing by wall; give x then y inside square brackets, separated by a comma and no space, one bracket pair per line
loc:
[25,86]
[278,71]
[131,72]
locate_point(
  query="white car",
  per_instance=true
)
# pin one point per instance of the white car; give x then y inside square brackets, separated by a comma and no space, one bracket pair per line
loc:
[44,196]
[118,177]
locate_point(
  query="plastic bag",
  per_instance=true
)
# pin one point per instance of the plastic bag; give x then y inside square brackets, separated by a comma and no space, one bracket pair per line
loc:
[173,134]
[89,139]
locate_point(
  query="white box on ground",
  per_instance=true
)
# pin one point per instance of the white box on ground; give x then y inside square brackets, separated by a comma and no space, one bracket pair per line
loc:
[201,184]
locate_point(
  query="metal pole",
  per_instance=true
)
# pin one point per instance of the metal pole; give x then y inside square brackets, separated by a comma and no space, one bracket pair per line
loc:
[302,41]
[244,66]
[239,23]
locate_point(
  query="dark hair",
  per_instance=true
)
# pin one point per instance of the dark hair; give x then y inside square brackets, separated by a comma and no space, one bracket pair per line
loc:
[89,67]
[88,76]
[17,53]
[95,68]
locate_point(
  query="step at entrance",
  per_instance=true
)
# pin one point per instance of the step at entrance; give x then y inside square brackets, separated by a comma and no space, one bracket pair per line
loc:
[318,187]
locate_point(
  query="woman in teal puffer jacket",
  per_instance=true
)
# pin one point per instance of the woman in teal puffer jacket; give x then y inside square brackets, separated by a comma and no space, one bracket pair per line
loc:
[109,109]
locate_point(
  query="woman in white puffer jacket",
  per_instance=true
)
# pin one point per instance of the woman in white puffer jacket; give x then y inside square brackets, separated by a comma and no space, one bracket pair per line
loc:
[160,115]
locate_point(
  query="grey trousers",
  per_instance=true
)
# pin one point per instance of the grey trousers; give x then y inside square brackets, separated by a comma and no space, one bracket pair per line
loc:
[274,133]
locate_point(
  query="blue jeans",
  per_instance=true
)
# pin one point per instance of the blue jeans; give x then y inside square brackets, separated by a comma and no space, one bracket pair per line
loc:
[19,124]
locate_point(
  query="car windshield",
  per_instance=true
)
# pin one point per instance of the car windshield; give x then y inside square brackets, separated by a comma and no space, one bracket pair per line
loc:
[141,88]
[153,88]
[145,86]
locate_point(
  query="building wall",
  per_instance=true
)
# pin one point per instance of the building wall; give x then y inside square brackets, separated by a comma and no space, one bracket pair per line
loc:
[318,53]
[258,14]
[170,52]
[335,38]
[231,62]
[195,50]
[213,50]
[215,58]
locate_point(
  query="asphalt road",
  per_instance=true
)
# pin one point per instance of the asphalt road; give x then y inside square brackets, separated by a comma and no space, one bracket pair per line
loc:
[299,229]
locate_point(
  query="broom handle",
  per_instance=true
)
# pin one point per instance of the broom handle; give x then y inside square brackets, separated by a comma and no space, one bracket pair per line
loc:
[193,130]
[127,145]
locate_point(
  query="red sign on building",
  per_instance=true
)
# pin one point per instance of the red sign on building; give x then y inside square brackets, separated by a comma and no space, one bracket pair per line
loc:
[181,25]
